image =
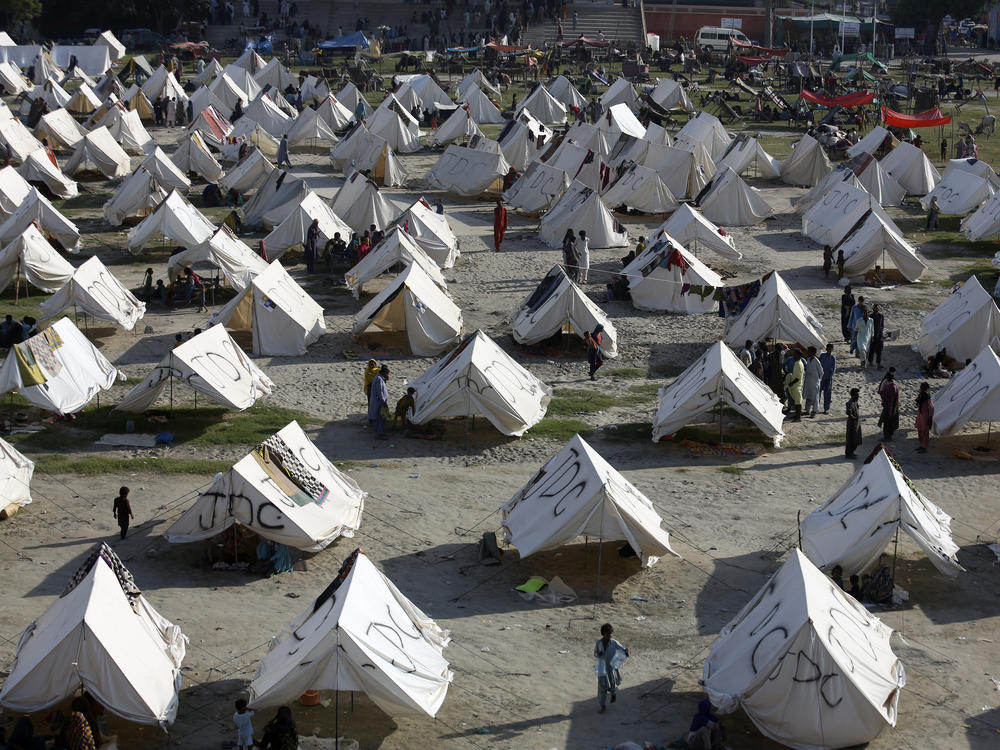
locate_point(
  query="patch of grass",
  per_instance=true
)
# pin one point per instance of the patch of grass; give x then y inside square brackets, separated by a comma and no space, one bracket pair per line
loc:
[627,373]
[665,370]
[579,401]
[557,429]
[710,434]
[984,271]
[738,471]
[56,463]
[643,392]
[629,432]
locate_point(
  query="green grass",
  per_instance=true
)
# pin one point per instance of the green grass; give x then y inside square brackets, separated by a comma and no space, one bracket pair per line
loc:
[642,392]
[628,432]
[557,429]
[55,463]
[731,470]
[626,373]
[665,370]
[710,434]
[984,271]
[568,401]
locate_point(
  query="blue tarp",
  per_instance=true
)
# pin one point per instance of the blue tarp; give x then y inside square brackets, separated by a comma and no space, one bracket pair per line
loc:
[357,39]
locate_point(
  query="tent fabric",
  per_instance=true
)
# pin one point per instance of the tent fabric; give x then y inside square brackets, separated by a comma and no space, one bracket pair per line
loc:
[350,97]
[138,196]
[977,167]
[98,151]
[619,92]
[564,92]
[223,250]
[871,142]
[276,75]
[477,378]
[359,203]
[690,228]
[275,200]
[807,164]
[38,169]
[929,119]
[745,151]
[212,364]
[108,39]
[15,475]
[661,278]
[126,128]
[670,94]
[49,91]
[543,107]
[522,138]
[964,324]
[397,247]
[308,509]
[478,79]
[74,375]
[580,208]
[730,201]
[282,319]
[250,61]
[708,130]
[16,137]
[838,212]
[94,60]
[212,69]
[431,231]
[640,188]
[718,376]
[60,129]
[32,258]
[102,636]
[414,303]
[36,208]
[854,99]
[468,172]
[193,156]
[266,113]
[558,305]
[959,193]
[95,291]
[985,221]
[360,634]
[801,612]
[212,126]
[971,395]
[176,220]
[537,189]
[13,190]
[401,133]
[250,132]
[619,120]
[11,79]
[163,84]
[911,168]
[293,230]
[684,168]
[427,91]
[481,107]
[578,493]
[310,132]
[363,150]
[165,171]
[873,177]
[248,174]
[460,125]
[871,242]
[855,525]
[775,313]
[333,113]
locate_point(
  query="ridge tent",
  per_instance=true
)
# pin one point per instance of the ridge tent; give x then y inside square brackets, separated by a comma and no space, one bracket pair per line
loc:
[559,306]
[542,106]
[853,527]
[333,113]
[94,290]
[580,208]
[310,133]
[84,101]
[351,97]
[284,490]
[66,377]
[138,66]
[840,175]
[468,172]
[579,162]
[36,208]
[364,150]
[538,189]
[165,171]
[870,242]
[709,131]
[138,196]
[431,231]
[16,137]
[249,174]
[277,76]
[971,395]
[666,277]
[275,200]
[110,86]
[481,108]
[476,78]
[728,200]
[13,190]
[102,636]
[964,324]
[174,219]
[619,120]
[39,170]
[657,134]
[460,125]
[402,135]
[684,168]
[163,85]
[397,247]
[98,152]
[871,142]
[578,493]
[807,164]
[359,203]
[691,229]
[11,79]
[977,167]
[959,192]
[93,60]
[282,319]
[212,126]
[478,378]
[523,139]
[61,130]
[427,91]
[619,92]
[563,91]
[116,50]
[745,151]
[872,177]
[238,263]
[126,128]
[212,69]
[193,157]
[205,97]
[250,132]
[266,113]
[32,258]
[294,229]
[717,377]
[813,629]
[15,477]
[670,94]
[838,212]
[985,221]
[213,365]
[413,303]
[50,92]
[250,61]
[775,313]
[911,168]
[342,642]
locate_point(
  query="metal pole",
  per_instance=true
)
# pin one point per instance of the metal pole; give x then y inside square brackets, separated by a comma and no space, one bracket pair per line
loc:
[842,17]
[336,699]
[720,421]
[895,545]
[600,555]
[798,525]
[812,15]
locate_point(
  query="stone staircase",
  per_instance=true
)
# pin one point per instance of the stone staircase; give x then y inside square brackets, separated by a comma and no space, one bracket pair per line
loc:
[617,23]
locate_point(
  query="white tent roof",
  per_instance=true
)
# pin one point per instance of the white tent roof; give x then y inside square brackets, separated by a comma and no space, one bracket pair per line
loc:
[276,75]
[292,231]
[550,510]
[870,143]
[212,69]
[61,130]
[13,190]
[662,276]
[840,175]
[54,95]
[855,525]
[775,313]
[95,291]
[617,120]
[238,263]
[93,60]
[985,222]
[685,168]
[964,324]
[192,155]
[959,192]
[109,40]
[100,635]
[360,203]
[85,100]
[478,378]
[427,90]
[519,139]
[475,78]
[99,151]
[431,231]
[275,200]
[709,131]
[127,129]
[537,189]
[414,303]
[175,219]
[460,125]
[333,113]
[729,200]
[310,132]
[619,92]
[249,61]
[718,376]
[73,375]
[15,475]
[670,94]
[15,136]
[691,229]
[563,91]
[468,172]
[977,167]
[340,642]
[396,247]
[138,195]
[481,107]
[873,177]
[807,164]
[558,304]
[364,150]
[163,84]
[874,241]
[801,612]
[543,106]
[350,97]
[38,169]
[266,113]
[911,168]
[839,210]
[580,208]
[11,79]
[396,126]
[36,207]
[32,258]
[971,395]
[212,364]
[248,131]
[248,174]
[212,125]
[165,171]
[745,151]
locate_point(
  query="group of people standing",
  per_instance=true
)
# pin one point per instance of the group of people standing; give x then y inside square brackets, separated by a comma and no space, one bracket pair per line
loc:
[576,255]
[799,379]
[863,330]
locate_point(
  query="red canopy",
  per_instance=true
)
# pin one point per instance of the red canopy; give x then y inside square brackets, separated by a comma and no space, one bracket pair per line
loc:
[927,119]
[754,59]
[856,99]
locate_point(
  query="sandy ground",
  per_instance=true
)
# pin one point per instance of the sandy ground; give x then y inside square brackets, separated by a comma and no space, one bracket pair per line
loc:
[523,671]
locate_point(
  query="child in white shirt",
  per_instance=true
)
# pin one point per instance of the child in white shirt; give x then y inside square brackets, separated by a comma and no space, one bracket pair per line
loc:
[244,726]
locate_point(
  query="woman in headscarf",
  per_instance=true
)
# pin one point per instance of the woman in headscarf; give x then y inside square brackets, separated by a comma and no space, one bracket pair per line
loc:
[78,732]
[371,370]
[595,357]
[279,732]
[569,254]
[853,425]
[925,416]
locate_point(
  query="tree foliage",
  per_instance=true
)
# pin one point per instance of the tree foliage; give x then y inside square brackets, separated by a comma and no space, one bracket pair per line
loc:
[68,18]
[921,13]
[17,11]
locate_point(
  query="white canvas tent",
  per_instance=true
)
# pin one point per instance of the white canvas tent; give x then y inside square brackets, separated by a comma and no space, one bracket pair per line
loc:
[39,170]
[619,120]
[811,666]
[249,174]
[116,50]
[95,291]
[359,203]
[579,162]
[971,395]
[481,107]
[413,303]
[85,101]
[666,277]
[293,230]
[870,143]
[580,208]
[873,242]
[685,168]
[426,89]
[61,131]
[13,190]
[838,212]
[640,188]
[193,156]
[30,257]
[873,177]
[212,126]
[619,92]
[363,150]
[431,231]
[564,92]
[275,200]
[351,97]
[277,76]
[16,137]
[670,94]
[543,106]
[692,230]
[102,636]
[165,171]
[36,207]
[708,130]
[977,167]
[397,247]
[71,374]
[11,79]
[223,250]
[959,193]
[717,377]
[138,196]
[746,152]
[578,493]
[807,164]
[310,133]
[210,363]
[468,172]
[522,138]
[126,128]
[728,200]
[478,378]
[98,152]
[537,189]
[853,527]
[282,319]
[775,313]
[964,324]
[269,116]
[15,476]
[333,113]
[460,126]
[361,634]
[250,132]
[397,126]
[162,84]
[174,219]
[985,222]
[250,61]
[559,305]
[475,78]
[911,168]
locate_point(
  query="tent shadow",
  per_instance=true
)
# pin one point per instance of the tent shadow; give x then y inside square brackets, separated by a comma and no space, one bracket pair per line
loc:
[982,730]
[735,580]
[945,600]
[149,349]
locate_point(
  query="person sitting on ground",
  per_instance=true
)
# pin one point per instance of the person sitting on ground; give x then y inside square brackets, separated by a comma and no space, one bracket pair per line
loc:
[404,408]
[876,277]
[705,732]
[233,198]
[212,196]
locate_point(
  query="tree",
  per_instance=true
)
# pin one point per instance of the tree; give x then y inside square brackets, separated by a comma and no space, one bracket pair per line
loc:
[18,11]
[921,13]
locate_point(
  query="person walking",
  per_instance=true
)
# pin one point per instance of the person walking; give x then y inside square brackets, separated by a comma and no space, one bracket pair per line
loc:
[499,225]
[888,392]
[595,356]
[793,384]
[312,246]
[243,719]
[583,254]
[840,264]
[378,402]
[810,386]
[878,332]
[827,261]
[829,364]
[863,331]
[609,655]
[122,510]
[933,211]
[925,416]
[283,152]
[569,254]
[171,112]
[846,305]
[853,440]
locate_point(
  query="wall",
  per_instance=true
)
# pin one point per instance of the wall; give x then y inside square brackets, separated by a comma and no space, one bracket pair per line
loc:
[689,18]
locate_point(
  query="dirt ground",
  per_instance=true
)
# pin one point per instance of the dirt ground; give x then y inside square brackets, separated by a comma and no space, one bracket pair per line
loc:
[523,671]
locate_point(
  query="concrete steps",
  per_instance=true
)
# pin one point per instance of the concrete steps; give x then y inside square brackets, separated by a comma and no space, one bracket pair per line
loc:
[616,22]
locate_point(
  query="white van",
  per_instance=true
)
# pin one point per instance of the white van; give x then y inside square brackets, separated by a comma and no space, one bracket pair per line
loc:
[717,37]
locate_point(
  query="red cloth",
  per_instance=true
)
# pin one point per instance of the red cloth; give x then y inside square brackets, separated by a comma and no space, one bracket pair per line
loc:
[928,119]
[499,225]
[855,99]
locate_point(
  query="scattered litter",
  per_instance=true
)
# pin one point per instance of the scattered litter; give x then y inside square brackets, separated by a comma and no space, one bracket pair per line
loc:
[564,651]
[292,595]
[549,592]
[639,599]
[640,618]
[414,476]
[485,649]
[996,683]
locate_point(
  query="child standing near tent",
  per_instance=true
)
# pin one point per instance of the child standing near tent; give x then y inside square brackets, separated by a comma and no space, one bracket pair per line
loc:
[244,725]
[122,510]
[610,655]
[499,224]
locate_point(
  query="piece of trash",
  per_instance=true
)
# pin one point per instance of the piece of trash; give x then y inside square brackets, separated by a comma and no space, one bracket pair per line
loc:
[326,703]
[995,548]
[485,649]
[414,476]
[162,507]
[996,683]
[564,651]
[292,595]
[640,618]
[533,584]
[639,599]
